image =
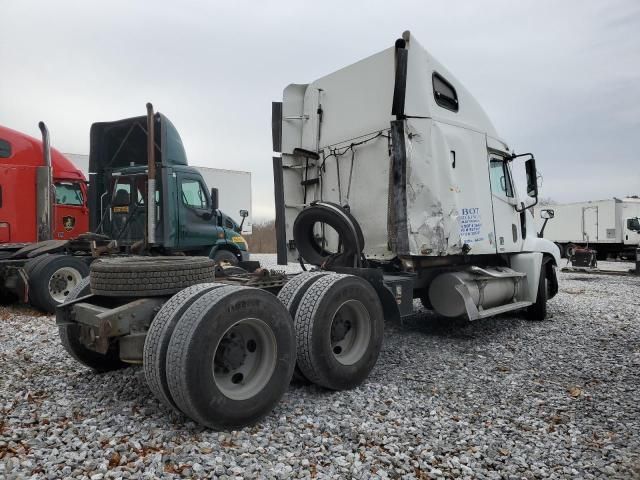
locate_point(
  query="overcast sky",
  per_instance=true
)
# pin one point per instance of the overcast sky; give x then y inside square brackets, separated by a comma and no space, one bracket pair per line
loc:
[560,79]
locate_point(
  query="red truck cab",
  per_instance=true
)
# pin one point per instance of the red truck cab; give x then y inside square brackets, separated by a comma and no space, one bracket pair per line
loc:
[20,156]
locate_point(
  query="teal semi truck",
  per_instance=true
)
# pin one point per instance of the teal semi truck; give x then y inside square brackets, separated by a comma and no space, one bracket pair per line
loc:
[178,215]
[184,215]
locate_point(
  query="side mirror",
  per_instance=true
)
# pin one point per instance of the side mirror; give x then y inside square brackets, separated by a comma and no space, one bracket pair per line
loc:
[547,213]
[244,214]
[532,178]
[214,199]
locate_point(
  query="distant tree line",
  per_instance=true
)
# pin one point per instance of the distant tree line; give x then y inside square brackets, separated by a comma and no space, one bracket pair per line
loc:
[263,237]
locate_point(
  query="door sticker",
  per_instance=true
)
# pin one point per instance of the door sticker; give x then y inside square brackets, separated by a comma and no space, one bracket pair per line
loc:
[470,225]
[69,222]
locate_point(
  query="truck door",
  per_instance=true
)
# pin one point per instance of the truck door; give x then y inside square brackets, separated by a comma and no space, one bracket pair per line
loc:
[632,231]
[71,217]
[197,225]
[590,224]
[508,230]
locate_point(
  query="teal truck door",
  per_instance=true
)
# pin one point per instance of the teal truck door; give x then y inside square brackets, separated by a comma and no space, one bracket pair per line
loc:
[197,226]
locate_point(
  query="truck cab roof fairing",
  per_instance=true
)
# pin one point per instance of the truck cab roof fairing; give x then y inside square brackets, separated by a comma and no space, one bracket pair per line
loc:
[23,147]
[349,113]
[420,100]
[118,153]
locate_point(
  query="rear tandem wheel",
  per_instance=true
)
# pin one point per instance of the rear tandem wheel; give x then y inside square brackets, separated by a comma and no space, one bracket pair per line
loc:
[290,296]
[339,329]
[231,357]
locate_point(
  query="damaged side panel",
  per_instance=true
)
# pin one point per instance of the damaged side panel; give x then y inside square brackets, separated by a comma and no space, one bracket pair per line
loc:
[448,197]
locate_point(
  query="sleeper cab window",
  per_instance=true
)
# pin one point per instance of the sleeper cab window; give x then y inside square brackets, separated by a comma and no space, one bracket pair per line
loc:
[444,93]
[5,149]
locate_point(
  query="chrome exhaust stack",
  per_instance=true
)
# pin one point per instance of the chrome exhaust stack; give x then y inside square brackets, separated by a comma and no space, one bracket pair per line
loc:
[44,187]
[151,177]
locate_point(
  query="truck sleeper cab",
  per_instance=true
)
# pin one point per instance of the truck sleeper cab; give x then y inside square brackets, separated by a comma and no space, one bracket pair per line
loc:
[399,144]
[21,158]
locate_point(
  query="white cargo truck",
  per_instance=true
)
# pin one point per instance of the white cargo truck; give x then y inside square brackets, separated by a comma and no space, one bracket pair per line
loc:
[611,227]
[392,182]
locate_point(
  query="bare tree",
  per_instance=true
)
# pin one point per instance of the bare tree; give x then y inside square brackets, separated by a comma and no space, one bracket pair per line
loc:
[263,237]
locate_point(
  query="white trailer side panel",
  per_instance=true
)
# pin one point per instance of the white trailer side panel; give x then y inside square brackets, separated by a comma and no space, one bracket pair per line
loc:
[234,192]
[596,221]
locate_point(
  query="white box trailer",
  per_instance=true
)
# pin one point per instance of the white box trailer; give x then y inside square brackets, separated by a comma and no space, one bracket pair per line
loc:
[234,188]
[609,226]
[234,192]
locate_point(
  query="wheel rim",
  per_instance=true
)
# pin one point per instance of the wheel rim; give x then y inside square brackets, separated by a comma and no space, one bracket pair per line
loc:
[244,359]
[62,282]
[350,332]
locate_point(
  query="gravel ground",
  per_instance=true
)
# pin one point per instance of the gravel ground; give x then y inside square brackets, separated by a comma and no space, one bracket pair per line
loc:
[498,398]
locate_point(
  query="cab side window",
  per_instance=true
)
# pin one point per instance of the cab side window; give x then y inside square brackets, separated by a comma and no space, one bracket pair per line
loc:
[122,195]
[500,178]
[193,194]
[444,93]
[69,193]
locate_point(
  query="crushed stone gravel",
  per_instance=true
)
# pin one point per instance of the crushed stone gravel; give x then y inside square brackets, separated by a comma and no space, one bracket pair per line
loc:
[498,398]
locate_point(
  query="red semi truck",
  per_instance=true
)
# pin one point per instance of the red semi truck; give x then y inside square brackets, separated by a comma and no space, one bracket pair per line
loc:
[22,175]
[43,203]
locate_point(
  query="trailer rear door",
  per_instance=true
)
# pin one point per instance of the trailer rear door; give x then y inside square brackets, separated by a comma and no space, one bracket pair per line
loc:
[590,224]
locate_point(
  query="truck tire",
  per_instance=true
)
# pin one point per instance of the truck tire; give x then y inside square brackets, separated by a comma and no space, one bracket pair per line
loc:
[31,264]
[290,296]
[149,276]
[52,279]
[225,256]
[339,330]
[341,220]
[538,311]
[157,341]
[70,339]
[231,357]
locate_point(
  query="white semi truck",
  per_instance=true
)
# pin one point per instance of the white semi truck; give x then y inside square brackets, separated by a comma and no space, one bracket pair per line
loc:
[392,182]
[611,227]
[391,165]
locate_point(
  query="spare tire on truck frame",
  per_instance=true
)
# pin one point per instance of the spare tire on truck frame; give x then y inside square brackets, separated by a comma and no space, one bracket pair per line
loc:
[149,276]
